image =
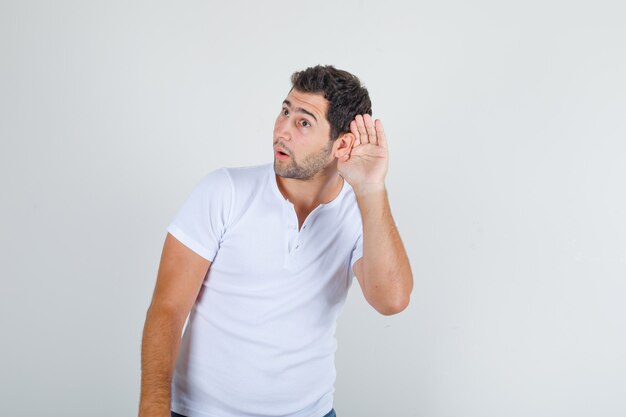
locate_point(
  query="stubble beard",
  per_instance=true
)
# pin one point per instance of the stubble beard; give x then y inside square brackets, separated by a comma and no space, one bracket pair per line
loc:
[310,166]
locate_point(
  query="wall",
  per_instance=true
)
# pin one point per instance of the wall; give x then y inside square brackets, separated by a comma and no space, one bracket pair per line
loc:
[506,133]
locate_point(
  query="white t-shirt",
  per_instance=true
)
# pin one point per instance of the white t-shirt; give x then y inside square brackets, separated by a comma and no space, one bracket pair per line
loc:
[260,340]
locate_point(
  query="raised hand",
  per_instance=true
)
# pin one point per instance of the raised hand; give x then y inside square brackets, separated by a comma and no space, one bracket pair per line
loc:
[365,166]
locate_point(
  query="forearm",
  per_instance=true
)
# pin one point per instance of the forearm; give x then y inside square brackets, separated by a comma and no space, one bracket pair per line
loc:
[159,349]
[386,270]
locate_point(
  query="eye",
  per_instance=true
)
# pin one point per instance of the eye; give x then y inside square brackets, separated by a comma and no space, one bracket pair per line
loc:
[285,111]
[305,122]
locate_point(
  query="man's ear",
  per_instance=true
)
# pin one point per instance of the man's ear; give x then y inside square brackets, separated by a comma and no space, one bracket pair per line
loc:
[343,145]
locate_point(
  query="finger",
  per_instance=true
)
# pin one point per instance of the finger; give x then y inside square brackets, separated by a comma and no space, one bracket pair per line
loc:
[371,130]
[380,134]
[355,132]
[360,125]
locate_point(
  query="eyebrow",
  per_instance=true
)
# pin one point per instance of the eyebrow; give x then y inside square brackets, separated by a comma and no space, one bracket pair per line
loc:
[300,109]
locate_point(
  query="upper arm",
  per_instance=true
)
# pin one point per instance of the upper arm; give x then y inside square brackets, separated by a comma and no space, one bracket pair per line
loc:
[180,277]
[357,268]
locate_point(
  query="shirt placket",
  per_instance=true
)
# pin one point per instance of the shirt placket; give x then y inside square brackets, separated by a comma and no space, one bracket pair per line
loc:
[295,238]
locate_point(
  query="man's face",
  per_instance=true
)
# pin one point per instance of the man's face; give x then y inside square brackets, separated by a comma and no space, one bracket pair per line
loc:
[302,145]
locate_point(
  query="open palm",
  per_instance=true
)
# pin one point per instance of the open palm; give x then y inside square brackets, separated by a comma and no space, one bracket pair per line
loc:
[367,162]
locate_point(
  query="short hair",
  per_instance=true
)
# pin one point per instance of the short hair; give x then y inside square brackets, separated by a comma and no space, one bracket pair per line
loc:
[346,96]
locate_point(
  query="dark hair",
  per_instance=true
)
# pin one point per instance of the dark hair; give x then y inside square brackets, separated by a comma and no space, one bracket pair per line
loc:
[344,92]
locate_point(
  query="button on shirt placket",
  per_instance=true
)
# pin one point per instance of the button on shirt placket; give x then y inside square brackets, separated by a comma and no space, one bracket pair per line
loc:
[292,224]
[296,237]
[291,245]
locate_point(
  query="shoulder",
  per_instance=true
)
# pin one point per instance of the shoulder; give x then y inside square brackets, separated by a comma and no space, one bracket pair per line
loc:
[248,173]
[247,179]
[234,177]
[247,183]
[349,204]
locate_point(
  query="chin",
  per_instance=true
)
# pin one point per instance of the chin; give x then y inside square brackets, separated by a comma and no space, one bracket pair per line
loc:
[279,168]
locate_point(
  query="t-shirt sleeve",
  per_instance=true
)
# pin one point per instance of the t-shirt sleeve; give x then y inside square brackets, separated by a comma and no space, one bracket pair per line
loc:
[201,221]
[357,251]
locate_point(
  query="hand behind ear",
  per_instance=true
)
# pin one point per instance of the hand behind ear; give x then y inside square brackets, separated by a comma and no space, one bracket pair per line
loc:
[362,156]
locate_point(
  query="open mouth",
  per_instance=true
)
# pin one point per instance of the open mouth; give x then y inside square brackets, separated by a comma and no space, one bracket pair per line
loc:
[281,155]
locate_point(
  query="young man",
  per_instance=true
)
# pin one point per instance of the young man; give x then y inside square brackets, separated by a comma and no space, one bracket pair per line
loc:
[263,258]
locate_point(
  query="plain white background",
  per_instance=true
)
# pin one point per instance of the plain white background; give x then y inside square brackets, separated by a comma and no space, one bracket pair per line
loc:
[506,127]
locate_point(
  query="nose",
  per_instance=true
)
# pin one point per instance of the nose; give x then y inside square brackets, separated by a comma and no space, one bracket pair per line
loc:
[282,129]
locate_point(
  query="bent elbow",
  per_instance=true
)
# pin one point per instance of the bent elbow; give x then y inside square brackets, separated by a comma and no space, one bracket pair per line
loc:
[394,308]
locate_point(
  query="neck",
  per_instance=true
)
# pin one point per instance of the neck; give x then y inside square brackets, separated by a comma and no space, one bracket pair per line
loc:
[321,189]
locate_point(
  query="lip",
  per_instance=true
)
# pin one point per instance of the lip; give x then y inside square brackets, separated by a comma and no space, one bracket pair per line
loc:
[277,151]
[280,156]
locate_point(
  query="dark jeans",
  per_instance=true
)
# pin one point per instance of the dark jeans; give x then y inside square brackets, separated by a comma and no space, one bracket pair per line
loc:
[331,413]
